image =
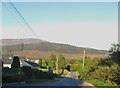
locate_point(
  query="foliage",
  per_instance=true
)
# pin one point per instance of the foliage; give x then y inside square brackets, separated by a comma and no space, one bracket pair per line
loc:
[11,75]
[40,62]
[72,61]
[103,72]
[77,67]
[12,78]
[61,61]
[100,71]
[101,83]
[52,61]
[68,67]
[27,72]
[114,52]
[24,74]
[65,72]
[44,63]
[16,62]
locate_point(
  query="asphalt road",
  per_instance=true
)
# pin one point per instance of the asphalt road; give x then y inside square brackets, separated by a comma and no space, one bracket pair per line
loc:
[65,81]
[61,82]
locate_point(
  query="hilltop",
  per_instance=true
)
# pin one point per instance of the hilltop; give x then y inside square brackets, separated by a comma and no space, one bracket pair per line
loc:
[37,44]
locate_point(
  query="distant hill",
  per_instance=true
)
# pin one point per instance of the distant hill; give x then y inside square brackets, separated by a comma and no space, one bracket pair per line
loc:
[7,42]
[36,44]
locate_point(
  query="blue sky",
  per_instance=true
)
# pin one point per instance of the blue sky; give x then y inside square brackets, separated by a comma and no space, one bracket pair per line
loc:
[57,12]
[84,24]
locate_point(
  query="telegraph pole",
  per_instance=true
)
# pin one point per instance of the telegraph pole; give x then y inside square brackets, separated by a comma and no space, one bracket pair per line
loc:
[56,64]
[22,47]
[83,60]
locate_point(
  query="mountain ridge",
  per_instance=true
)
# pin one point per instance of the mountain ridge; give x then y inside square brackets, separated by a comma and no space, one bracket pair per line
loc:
[6,42]
[38,44]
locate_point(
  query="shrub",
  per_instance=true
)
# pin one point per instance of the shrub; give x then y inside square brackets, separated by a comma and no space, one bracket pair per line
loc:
[27,72]
[48,75]
[11,75]
[12,78]
[52,61]
[36,73]
[16,62]
[61,61]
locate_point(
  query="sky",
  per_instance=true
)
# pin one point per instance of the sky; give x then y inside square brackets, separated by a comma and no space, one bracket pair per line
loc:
[83,24]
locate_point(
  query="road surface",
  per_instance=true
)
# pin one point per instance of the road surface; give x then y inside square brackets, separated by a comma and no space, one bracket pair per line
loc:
[65,81]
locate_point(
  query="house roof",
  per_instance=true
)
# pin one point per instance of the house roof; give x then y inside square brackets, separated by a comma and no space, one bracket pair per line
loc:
[7,61]
[33,64]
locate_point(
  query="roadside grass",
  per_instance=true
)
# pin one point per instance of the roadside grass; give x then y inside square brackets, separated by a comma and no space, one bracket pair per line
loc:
[43,70]
[97,73]
[100,83]
[54,71]
[65,72]
[77,73]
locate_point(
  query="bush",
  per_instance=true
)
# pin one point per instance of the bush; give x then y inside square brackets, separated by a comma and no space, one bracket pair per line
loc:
[16,62]
[24,74]
[105,71]
[11,75]
[35,73]
[27,72]
[12,78]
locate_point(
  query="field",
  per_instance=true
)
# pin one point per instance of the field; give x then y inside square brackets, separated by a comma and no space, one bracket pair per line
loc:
[46,54]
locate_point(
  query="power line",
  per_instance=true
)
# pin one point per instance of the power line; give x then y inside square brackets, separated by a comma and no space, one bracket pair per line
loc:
[23,19]
[16,18]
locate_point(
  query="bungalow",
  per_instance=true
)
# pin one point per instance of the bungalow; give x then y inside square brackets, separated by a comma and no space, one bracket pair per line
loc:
[30,64]
[7,62]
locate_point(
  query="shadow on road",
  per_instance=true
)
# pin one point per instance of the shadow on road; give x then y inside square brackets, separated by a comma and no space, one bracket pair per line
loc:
[71,82]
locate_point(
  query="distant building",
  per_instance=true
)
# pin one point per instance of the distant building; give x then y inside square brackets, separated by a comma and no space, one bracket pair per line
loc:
[33,64]
[10,57]
[30,64]
[7,62]
[36,61]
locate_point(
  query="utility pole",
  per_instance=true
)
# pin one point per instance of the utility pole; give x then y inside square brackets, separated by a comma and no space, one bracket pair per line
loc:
[83,60]
[56,64]
[22,47]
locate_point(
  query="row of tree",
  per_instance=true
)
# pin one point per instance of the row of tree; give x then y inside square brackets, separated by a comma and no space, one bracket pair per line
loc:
[52,61]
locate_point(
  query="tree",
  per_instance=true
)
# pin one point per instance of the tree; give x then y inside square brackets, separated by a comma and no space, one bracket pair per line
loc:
[40,62]
[44,64]
[52,61]
[16,62]
[61,61]
[68,67]
[114,52]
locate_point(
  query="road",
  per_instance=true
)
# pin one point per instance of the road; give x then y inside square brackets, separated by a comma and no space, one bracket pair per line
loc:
[65,81]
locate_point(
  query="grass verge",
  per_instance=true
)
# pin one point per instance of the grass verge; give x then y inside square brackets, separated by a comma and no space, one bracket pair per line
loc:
[99,83]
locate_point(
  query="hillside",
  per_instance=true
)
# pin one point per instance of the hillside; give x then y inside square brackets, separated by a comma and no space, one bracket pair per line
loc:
[7,42]
[36,44]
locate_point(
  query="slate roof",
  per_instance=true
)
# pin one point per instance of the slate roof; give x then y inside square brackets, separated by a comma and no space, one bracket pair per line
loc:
[7,61]
[33,64]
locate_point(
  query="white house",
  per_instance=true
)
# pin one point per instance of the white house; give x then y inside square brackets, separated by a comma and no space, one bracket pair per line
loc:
[30,64]
[7,62]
